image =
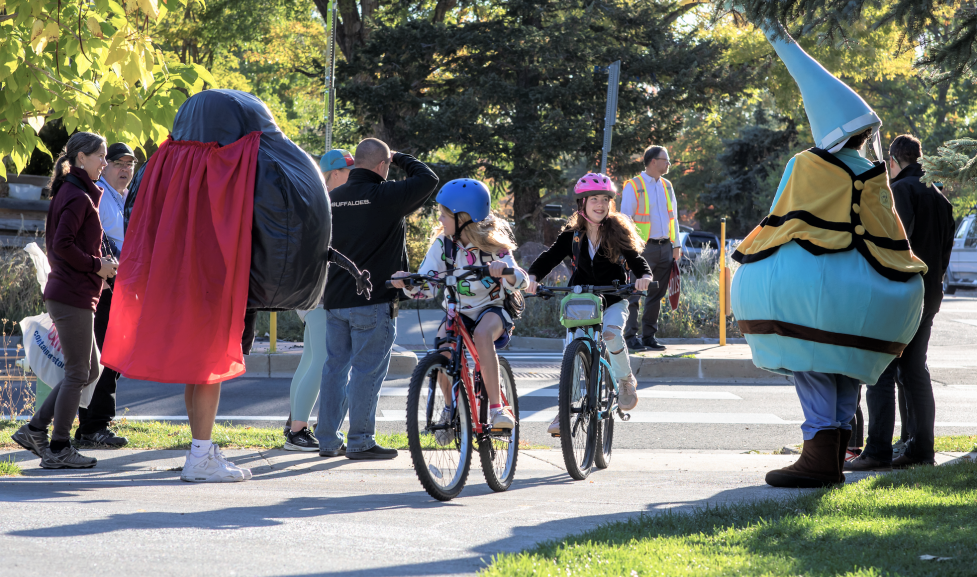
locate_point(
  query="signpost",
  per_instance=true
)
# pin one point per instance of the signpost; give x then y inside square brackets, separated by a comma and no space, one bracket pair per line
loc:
[610,116]
[331,20]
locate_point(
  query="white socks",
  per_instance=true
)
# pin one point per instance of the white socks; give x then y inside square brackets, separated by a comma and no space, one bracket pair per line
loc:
[199,448]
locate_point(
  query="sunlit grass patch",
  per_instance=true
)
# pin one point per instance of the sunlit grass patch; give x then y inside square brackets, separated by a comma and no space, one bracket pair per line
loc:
[879,526]
[9,467]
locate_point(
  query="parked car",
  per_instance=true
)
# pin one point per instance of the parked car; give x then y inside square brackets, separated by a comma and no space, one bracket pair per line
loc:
[962,270]
[693,244]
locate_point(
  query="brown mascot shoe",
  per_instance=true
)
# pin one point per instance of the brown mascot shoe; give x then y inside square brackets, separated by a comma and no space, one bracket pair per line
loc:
[819,465]
[844,436]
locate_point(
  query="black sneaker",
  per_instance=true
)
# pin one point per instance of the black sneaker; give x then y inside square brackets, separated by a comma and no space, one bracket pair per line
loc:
[105,437]
[34,441]
[377,453]
[652,344]
[301,441]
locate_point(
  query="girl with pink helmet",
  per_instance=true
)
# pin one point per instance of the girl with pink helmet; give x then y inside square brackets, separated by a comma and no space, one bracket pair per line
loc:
[608,245]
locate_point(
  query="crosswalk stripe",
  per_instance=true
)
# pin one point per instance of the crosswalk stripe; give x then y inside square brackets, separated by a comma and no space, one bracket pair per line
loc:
[553,392]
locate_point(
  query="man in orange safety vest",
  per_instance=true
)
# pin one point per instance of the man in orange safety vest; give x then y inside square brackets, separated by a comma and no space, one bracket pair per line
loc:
[649,200]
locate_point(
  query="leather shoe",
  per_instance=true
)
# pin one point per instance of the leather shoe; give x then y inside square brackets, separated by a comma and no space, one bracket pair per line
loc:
[376,453]
[865,463]
[653,344]
[905,461]
[635,344]
[333,453]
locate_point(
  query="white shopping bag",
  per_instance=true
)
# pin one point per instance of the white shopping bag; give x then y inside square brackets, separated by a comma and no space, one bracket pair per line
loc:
[41,343]
[44,355]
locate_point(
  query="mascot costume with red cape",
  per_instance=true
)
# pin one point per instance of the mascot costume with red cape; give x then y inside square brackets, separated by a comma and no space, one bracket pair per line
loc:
[231,217]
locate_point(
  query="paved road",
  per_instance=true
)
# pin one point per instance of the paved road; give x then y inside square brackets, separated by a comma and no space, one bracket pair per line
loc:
[303,515]
[670,415]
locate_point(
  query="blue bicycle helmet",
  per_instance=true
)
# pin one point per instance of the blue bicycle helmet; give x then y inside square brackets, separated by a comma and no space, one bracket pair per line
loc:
[466,195]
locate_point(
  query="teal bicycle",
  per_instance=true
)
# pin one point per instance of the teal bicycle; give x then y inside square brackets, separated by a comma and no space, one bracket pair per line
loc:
[588,393]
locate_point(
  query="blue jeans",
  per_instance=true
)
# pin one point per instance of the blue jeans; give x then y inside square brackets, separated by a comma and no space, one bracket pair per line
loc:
[828,400]
[358,348]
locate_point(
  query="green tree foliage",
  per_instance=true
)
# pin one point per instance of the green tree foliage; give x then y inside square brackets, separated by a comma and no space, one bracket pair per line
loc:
[750,167]
[91,64]
[513,93]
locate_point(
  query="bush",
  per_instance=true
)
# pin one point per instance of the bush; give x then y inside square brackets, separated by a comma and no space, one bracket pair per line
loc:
[290,326]
[20,295]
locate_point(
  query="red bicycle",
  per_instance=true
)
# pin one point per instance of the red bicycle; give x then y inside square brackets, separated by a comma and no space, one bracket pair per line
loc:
[445,392]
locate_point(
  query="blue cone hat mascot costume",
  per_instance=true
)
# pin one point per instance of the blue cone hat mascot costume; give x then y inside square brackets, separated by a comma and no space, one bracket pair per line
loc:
[829,290]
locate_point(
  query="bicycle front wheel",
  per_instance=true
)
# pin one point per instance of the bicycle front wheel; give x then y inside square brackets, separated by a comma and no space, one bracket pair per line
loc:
[605,427]
[499,451]
[440,439]
[577,425]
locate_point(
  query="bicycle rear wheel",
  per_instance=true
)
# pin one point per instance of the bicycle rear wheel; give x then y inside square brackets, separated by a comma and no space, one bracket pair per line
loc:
[499,451]
[577,425]
[605,427]
[440,444]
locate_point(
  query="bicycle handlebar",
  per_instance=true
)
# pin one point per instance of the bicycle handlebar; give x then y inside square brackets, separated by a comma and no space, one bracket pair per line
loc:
[472,270]
[547,292]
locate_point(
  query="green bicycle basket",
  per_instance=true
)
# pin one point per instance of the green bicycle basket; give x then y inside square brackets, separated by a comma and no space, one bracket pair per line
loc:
[581,309]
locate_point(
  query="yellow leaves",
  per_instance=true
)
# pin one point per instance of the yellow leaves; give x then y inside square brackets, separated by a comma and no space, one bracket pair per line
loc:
[42,34]
[117,49]
[150,7]
[93,27]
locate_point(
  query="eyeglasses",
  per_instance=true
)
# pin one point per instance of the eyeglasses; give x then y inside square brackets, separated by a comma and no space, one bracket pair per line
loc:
[120,165]
[667,161]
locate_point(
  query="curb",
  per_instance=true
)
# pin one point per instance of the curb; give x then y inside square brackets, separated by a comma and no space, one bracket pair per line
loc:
[705,369]
[284,365]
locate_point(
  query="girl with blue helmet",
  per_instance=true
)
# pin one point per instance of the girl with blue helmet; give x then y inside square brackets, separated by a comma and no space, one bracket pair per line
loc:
[471,234]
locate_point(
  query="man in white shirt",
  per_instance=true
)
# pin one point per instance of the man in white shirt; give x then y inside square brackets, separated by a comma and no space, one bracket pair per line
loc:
[649,201]
[93,428]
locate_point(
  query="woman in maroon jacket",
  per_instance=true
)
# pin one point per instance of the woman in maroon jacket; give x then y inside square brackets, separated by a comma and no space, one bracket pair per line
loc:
[73,238]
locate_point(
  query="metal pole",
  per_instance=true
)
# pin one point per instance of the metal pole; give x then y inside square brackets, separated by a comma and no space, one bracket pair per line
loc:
[331,20]
[610,115]
[722,283]
[273,333]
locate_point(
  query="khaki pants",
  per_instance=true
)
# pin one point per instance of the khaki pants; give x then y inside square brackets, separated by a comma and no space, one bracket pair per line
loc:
[76,332]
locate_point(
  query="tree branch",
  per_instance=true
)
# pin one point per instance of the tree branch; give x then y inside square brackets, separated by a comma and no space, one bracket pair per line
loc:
[6,17]
[51,76]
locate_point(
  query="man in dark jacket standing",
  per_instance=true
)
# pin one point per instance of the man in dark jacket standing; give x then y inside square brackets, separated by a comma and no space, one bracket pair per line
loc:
[927,217]
[368,226]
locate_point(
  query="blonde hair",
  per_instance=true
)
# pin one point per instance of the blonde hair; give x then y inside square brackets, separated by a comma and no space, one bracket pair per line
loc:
[491,235]
[617,231]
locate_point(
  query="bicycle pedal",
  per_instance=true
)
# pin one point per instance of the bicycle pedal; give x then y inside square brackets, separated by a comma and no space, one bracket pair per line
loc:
[623,416]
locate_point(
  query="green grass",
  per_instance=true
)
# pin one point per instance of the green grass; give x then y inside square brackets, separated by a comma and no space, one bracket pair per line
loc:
[880,526]
[9,468]
[956,443]
[164,435]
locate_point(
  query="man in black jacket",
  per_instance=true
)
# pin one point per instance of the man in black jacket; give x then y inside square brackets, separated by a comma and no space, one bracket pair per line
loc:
[927,217]
[369,227]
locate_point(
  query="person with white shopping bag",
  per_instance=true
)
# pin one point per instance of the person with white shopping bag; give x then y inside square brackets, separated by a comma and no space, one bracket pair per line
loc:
[73,236]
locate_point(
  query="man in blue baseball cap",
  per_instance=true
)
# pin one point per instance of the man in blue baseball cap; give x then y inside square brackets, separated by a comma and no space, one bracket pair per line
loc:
[335,166]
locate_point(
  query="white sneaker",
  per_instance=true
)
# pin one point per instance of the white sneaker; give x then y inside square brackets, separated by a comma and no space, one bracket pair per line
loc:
[444,437]
[628,397]
[554,428]
[220,457]
[210,469]
[501,418]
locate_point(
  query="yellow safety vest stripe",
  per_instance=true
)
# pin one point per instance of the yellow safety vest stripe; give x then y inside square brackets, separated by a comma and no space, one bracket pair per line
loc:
[642,215]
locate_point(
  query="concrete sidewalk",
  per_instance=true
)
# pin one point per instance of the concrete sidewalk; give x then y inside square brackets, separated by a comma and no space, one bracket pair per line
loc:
[304,515]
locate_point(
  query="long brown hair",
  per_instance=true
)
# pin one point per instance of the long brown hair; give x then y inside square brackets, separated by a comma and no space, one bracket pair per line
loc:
[616,230]
[85,142]
[491,235]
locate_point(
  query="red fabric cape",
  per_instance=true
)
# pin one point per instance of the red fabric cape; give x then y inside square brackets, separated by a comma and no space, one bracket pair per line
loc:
[182,289]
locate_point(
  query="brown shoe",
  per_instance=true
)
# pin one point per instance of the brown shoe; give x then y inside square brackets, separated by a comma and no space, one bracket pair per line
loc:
[844,435]
[866,463]
[818,466]
[904,461]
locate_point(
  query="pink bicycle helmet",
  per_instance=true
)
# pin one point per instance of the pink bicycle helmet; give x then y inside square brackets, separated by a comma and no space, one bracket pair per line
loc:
[593,184]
